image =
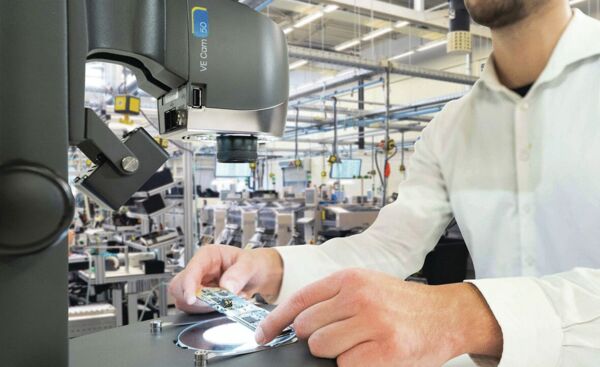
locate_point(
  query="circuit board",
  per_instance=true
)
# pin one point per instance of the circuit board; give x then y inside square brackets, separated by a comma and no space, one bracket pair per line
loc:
[237,309]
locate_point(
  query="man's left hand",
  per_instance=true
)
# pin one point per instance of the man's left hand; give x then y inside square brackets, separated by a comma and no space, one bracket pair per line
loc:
[367,318]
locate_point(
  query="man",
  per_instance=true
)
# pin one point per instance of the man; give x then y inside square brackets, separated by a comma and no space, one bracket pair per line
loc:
[516,163]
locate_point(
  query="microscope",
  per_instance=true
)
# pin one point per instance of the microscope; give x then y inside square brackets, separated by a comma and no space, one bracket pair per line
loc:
[218,69]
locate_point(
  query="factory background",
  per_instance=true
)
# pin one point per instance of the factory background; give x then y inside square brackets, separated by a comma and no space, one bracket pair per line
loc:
[366,77]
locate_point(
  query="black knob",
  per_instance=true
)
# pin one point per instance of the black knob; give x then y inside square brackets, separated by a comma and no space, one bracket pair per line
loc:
[36,208]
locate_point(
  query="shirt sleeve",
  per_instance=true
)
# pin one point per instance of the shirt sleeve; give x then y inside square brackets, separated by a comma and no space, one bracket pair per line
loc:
[553,321]
[399,239]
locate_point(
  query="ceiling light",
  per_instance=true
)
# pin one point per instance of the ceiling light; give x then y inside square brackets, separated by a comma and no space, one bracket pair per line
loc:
[430,45]
[377,33]
[347,45]
[401,56]
[298,64]
[288,30]
[573,2]
[401,23]
[330,8]
[308,19]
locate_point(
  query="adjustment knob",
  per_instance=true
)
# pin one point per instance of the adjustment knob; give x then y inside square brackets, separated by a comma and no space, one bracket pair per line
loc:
[36,208]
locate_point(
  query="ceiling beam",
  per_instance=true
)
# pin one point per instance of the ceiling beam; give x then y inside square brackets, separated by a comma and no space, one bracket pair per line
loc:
[342,59]
[397,12]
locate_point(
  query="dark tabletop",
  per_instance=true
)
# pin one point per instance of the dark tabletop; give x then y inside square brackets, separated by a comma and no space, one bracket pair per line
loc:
[135,346]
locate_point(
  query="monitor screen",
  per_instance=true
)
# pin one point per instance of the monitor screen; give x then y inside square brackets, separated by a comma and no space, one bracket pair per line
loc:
[311,198]
[233,170]
[293,175]
[348,169]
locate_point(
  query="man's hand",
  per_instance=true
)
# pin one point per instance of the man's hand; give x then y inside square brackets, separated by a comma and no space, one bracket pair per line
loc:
[366,318]
[243,272]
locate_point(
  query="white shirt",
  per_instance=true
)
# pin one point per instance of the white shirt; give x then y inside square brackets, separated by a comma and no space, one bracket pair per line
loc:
[522,178]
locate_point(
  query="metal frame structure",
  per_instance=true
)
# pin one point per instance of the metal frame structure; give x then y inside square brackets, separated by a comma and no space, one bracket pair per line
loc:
[336,58]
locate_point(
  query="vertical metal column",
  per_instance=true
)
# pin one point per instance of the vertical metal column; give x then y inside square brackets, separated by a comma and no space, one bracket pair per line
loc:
[33,130]
[296,157]
[361,107]
[189,209]
[469,67]
[373,153]
[162,287]
[132,302]
[117,302]
[419,5]
[468,62]
[387,131]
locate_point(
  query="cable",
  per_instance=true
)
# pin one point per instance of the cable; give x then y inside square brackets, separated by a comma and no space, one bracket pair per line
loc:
[148,299]
[377,166]
[377,161]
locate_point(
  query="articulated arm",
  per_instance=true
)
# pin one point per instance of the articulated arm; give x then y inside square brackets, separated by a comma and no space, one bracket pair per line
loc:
[134,34]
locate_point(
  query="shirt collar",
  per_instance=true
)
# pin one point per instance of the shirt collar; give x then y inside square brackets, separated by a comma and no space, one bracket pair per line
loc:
[573,46]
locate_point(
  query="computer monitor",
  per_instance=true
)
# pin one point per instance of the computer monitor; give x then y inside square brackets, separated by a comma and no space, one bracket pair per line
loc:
[232,170]
[311,197]
[294,176]
[347,169]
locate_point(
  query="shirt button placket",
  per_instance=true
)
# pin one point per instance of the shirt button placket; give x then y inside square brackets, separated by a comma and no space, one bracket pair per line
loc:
[523,169]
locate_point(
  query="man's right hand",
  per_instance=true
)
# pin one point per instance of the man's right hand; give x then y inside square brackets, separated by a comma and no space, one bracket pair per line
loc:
[243,272]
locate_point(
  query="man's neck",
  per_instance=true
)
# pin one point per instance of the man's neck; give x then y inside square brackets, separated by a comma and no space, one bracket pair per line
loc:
[522,50]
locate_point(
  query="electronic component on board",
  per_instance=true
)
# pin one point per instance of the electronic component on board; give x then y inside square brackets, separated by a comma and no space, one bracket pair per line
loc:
[236,308]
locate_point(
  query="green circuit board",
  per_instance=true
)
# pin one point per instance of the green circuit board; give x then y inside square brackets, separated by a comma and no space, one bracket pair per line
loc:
[237,308]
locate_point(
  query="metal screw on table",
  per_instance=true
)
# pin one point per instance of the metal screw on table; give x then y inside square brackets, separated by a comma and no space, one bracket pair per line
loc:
[200,358]
[156,326]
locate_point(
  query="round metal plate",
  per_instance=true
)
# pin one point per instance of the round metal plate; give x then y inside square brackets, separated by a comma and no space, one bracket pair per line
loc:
[222,335]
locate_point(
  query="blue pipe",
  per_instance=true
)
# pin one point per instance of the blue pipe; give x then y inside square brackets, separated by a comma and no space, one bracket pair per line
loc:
[393,117]
[427,111]
[263,5]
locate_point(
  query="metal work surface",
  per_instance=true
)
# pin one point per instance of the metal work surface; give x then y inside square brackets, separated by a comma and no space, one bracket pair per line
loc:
[135,346]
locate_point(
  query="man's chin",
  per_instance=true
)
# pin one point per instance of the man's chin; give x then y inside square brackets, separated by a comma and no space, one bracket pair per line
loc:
[497,14]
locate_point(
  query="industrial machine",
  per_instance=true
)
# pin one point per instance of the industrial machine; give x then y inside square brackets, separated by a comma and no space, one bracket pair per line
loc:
[212,219]
[108,265]
[89,319]
[344,220]
[276,224]
[346,217]
[284,227]
[216,67]
[239,225]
